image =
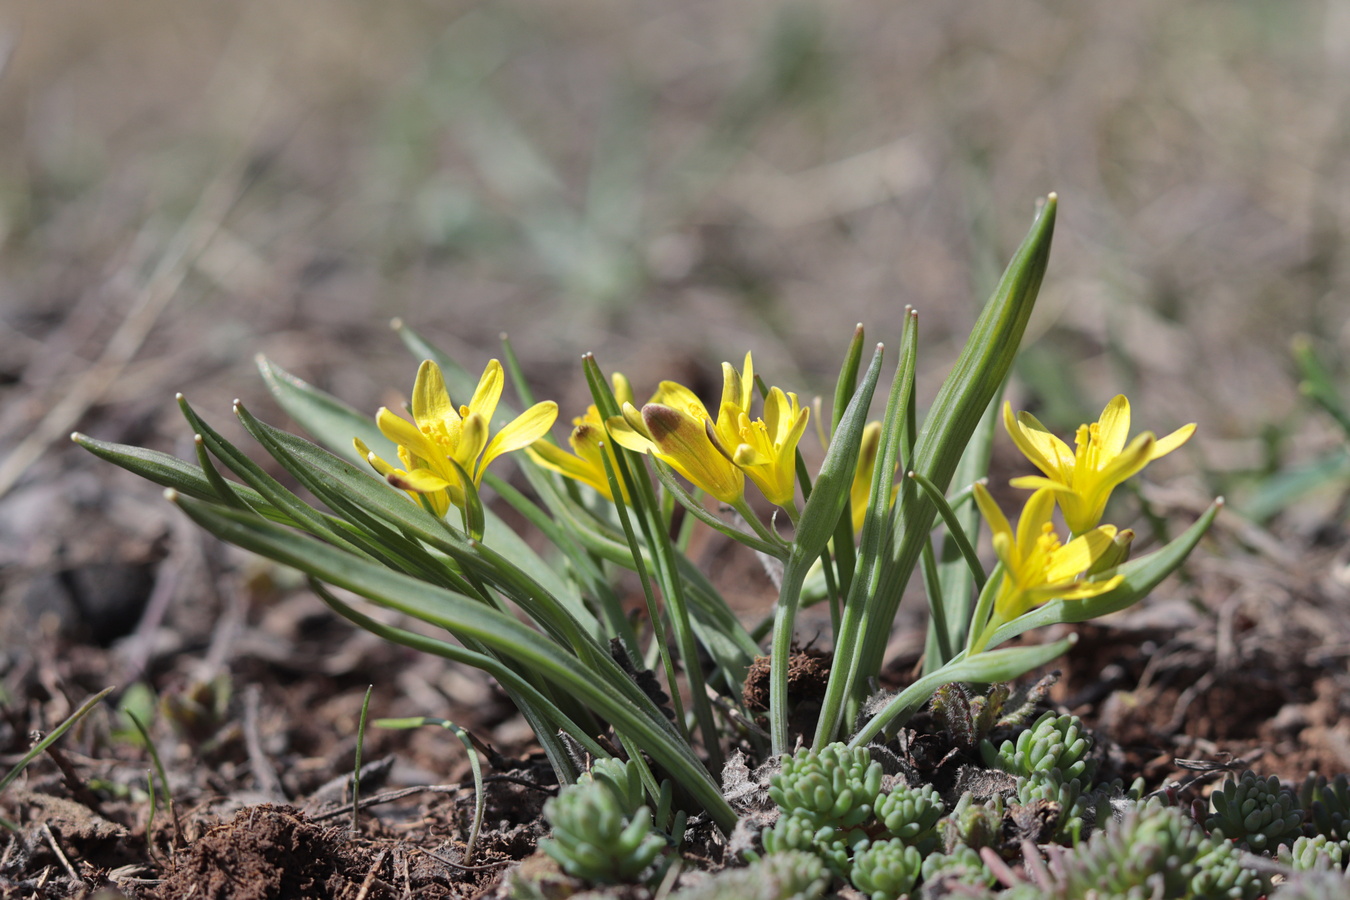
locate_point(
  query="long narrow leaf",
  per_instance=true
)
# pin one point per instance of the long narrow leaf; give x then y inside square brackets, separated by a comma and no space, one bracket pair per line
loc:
[962,400]
[983,668]
[826,504]
[461,615]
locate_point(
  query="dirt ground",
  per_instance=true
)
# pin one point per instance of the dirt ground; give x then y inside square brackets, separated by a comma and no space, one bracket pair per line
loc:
[667,185]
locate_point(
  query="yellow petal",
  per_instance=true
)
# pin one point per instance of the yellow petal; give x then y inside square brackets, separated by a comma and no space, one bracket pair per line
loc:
[404,433]
[998,523]
[1114,425]
[522,431]
[472,440]
[623,391]
[421,481]
[1164,446]
[489,391]
[430,400]
[1046,452]
[1036,482]
[376,463]
[1039,507]
[685,444]
[1078,555]
[677,396]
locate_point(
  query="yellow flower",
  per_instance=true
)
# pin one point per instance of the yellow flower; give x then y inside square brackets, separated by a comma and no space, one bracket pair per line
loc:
[767,447]
[683,439]
[585,463]
[860,493]
[1036,566]
[1084,478]
[677,429]
[441,432]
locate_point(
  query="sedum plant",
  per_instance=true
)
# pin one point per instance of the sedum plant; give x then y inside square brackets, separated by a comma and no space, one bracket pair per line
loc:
[1258,812]
[396,516]
[601,829]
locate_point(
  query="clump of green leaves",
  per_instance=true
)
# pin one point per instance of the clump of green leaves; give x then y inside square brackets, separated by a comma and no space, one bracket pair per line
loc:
[1054,743]
[1154,851]
[602,830]
[789,875]
[1315,853]
[1258,812]
[911,814]
[886,870]
[1326,804]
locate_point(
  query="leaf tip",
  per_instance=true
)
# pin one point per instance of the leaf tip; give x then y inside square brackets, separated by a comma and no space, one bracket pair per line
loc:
[171,495]
[396,323]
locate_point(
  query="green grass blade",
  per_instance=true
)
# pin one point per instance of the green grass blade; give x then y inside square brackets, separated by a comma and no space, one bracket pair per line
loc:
[983,668]
[604,688]
[828,501]
[963,398]
[56,734]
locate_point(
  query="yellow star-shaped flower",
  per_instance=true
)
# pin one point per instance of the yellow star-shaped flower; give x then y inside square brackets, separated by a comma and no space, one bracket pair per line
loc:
[1084,478]
[442,436]
[1036,566]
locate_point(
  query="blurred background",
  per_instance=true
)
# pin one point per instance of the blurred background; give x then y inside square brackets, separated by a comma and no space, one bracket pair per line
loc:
[183,186]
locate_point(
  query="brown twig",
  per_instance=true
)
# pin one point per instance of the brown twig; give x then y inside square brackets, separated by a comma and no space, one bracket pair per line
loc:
[56,848]
[264,773]
[369,880]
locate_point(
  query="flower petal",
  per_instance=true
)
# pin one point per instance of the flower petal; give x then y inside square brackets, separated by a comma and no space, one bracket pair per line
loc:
[404,433]
[421,481]
[430,400]
[1047,452]
[521,431]
[489,391]
[1114,426]
[1166,445]
[1078,555]
[1039,507]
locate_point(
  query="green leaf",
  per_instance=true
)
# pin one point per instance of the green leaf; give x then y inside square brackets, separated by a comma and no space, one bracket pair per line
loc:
[984,668]
[603,687]
[962,400]
[172,472]
[827,502]
[332,422]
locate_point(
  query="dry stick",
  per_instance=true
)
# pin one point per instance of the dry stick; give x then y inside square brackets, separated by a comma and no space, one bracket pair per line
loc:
[91,384]
[264,773]
[56,848]
[370,876]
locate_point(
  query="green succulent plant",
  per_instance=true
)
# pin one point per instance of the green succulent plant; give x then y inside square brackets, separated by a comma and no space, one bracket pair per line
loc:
[887,869]
[1154,851]
[836,786]
[1316,852]
[1256,811]
[799,831]
[1315,885]
[961,866]
[1052,743]
[601,832]
[911,814]
[789,875]
[1326,804]
[1075,806]
[973,824]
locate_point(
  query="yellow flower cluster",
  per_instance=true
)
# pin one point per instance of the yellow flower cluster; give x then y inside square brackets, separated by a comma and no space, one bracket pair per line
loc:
[1037,565]
[714,454]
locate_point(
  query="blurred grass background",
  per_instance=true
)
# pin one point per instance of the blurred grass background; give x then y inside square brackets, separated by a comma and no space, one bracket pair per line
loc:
[668,185]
